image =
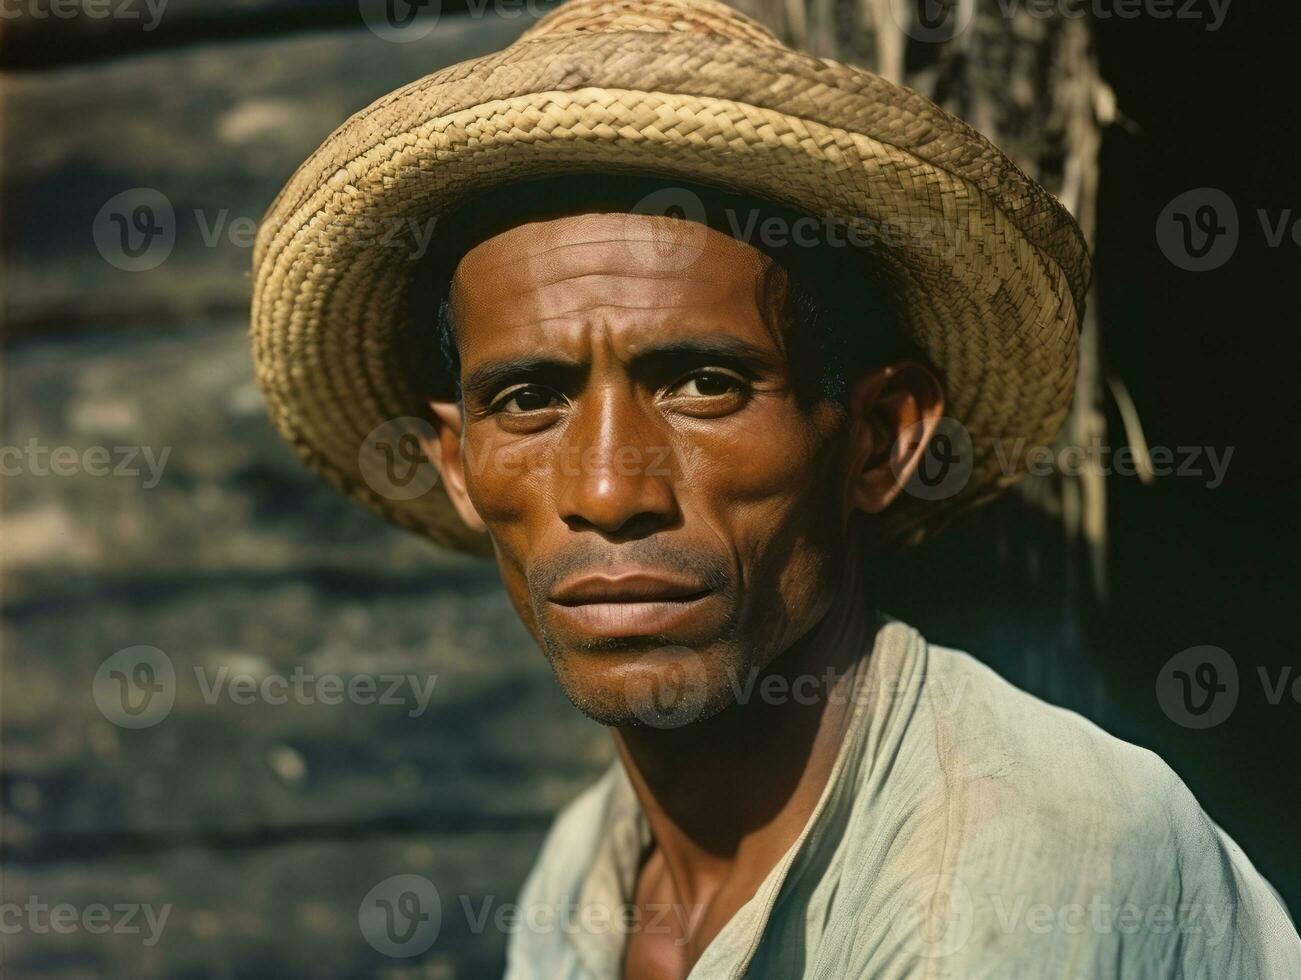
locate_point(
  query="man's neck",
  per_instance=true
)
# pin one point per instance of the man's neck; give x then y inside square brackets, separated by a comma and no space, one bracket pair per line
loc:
[725,798]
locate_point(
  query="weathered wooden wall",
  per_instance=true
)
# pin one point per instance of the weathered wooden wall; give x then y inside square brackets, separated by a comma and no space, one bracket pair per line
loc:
[263,826]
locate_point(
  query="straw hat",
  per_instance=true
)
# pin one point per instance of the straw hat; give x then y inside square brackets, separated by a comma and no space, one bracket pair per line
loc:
[988,271]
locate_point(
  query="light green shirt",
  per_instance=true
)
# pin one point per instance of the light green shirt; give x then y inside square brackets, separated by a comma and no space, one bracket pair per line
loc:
[967,830]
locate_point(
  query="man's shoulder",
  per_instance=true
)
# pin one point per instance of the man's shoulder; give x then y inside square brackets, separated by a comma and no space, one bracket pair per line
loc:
[1076,805]
[1039,812]
[992,730]
[1010,765]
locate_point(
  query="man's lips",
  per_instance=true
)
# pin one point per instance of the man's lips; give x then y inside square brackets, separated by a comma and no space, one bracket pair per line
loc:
[626,587]
[628,603]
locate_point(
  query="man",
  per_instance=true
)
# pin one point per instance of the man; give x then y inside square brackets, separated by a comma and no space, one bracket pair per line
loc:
[690,447]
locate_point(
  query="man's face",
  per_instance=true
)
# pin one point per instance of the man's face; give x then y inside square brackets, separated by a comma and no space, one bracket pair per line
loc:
[666,514]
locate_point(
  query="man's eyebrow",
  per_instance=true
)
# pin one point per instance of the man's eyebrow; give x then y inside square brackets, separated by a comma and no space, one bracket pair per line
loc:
[702,348]
[486,378]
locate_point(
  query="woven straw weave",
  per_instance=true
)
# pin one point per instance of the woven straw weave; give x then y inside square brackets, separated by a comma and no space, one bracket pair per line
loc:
[988,270]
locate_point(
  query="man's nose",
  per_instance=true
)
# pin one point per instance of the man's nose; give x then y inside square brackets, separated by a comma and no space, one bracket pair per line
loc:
[614,478]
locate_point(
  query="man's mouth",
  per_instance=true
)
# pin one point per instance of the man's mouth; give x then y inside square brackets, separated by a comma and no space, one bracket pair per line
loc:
[628,602]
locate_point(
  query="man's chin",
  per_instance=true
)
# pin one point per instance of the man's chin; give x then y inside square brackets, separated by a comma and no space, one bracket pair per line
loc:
[644,684]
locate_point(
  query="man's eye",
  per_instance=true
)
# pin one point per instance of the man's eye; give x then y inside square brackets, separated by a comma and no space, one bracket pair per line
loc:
[526,398]
[708,384]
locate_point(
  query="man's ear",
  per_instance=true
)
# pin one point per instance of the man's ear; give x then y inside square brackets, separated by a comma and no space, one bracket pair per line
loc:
[444,451]
[894,412]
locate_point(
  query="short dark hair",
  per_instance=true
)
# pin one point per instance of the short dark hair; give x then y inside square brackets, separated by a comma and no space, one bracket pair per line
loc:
[837,315]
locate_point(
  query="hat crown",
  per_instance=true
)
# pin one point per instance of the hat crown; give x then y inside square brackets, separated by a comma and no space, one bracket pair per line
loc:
[659,16]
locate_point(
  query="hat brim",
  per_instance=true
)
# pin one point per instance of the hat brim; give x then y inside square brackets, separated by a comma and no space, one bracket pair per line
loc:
[987,270]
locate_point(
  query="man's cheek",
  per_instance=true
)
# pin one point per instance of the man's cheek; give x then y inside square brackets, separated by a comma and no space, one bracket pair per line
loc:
[746,468]
[506,479]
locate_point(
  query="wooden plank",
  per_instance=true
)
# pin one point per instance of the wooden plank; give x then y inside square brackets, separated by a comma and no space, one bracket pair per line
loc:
[40,34]
[240,563]
[286,911]
[213,131]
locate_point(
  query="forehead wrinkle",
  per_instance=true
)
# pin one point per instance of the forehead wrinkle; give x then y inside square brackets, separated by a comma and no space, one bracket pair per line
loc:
[592,290]
[626,336]
[555,289]
[600,312]
[575,260]
[534,240]
[708,246]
